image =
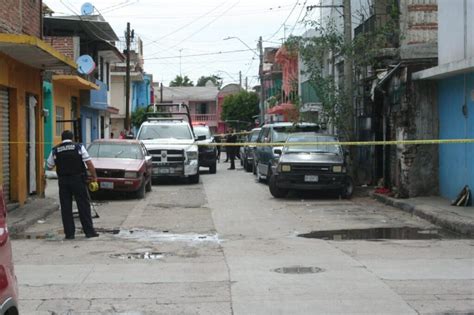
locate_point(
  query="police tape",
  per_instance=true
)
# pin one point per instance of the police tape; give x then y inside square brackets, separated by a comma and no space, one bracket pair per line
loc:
[290,144]
[343,143]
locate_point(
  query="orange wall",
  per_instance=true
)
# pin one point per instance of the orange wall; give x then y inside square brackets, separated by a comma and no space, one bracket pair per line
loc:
[62,95]
[21,79]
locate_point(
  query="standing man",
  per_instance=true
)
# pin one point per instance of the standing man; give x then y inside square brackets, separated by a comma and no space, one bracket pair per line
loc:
[231,138]
[69,159]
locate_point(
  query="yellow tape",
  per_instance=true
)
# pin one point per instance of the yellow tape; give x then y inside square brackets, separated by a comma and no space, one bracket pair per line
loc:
[281,144]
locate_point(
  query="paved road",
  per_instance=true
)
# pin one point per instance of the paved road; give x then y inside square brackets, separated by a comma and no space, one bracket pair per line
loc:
[216,248]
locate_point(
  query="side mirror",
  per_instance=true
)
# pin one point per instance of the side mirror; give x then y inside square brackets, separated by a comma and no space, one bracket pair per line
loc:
[277,152]
[200,138]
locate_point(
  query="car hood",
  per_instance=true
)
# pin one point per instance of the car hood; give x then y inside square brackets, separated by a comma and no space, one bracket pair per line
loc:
[117,164]
[319,158]
[171,144]
[207,141]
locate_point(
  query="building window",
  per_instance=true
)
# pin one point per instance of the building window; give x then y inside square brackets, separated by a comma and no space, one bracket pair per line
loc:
[59,118]
[107,75]
[202,108]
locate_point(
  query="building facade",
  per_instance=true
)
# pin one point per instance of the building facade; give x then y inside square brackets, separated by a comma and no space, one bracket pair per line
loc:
[454,77]
[24,56]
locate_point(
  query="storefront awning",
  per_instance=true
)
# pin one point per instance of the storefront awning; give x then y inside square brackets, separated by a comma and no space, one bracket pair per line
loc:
[75,81]
[34,52]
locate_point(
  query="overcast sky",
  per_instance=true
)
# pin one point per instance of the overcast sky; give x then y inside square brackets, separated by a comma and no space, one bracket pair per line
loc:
[192,27]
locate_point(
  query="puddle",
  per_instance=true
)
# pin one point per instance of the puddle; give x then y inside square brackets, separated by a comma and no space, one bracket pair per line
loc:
[108,231]
[138,256]
[154,236]
[400,233]
[299,270]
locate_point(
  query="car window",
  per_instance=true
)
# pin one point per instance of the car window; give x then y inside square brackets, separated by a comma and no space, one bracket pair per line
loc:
[116,150]
[202,131]
[266,135]
[281,133]
[316,148]
[253,136]
[165,131]
[260,135]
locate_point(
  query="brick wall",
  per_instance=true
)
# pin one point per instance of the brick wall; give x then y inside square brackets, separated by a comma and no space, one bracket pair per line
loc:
[63,44]
[20,17]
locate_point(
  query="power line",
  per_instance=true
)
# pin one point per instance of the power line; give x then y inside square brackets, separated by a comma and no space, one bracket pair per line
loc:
[198,55]
[299,15]
[286,20]
[202,28]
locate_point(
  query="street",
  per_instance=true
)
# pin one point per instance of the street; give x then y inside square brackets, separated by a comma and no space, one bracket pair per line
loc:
[225,246]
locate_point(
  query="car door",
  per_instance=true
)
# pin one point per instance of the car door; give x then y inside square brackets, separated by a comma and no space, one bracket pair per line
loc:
[263,151]
[148,160]
[258,149]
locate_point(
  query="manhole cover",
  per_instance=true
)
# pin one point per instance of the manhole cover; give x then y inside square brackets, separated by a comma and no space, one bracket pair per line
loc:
[398,233]
[137,256]
[299,270]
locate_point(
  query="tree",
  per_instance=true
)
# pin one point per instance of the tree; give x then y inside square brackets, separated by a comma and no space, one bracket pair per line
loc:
[241,107]
[139,116]
[217,80]
[181,81]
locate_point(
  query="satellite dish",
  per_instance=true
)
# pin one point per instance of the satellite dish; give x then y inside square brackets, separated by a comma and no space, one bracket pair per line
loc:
[85,64]
[87,9]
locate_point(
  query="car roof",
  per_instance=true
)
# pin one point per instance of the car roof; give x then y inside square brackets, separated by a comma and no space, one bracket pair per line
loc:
[256,129]
[308,133]
[117,141]
[165,121]
[287,124]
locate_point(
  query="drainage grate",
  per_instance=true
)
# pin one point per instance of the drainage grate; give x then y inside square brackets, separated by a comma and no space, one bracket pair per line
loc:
[398,233]
[138,256]
[299,270]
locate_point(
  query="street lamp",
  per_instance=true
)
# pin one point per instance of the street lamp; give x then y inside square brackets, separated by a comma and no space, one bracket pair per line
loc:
[252,49]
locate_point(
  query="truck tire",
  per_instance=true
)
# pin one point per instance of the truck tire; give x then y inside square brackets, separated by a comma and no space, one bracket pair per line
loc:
[194,179]
[213,168]
[274,190]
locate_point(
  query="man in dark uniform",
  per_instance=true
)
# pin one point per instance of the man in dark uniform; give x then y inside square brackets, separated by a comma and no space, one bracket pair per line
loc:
[231,150]
[69,159]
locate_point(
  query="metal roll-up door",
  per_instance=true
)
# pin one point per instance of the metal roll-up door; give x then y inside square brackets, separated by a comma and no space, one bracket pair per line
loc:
[5,139]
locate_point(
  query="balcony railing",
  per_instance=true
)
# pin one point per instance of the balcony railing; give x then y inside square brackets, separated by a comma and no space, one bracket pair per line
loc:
[209,119]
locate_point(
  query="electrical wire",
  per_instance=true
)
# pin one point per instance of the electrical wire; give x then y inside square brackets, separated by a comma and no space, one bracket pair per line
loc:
[198,55]
[298,18]
[286,20]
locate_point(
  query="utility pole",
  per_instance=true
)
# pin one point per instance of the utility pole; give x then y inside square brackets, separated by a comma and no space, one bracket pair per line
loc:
[246,83]
[262,90]
[128,38]
[240,79]
[161,92]
[348,65]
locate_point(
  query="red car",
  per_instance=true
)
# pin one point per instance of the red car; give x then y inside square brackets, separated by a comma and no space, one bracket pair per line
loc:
[122,165]
[8,283]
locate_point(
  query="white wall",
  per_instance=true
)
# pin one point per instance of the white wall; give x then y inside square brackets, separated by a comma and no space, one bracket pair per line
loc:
[118,93]
[454,28]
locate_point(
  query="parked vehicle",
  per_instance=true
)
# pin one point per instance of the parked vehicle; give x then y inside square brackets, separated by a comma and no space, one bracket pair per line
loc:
[310,167]
[170,140]
[276,135]
[207,154]
[122,165]
[247,152]
[8,281]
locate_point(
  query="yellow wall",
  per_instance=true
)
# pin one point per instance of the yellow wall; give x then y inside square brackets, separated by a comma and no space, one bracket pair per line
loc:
[62,95]
[22,79]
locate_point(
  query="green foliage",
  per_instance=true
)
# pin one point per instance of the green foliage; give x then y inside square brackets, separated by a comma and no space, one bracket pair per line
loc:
[240,107]
[319,51]
[181,81]
[217,80]
[139,116]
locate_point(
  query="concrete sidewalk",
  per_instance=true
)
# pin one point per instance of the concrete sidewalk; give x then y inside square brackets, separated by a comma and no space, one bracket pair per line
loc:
[436,210]
[20,218]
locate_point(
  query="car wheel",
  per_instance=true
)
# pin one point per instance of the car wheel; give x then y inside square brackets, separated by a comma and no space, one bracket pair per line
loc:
[348,189]
[141,191]
[274,190]
[148,185]
[213,168]
[194,179]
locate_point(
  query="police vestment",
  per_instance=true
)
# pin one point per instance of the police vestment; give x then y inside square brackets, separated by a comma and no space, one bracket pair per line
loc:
[69,159]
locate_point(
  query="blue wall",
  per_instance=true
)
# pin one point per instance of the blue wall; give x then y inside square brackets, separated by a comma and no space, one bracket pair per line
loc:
[141,92]
[48,121]
[93,114]
[456,161]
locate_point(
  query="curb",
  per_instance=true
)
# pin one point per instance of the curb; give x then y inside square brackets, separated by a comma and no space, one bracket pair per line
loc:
[448,220]
[20,219]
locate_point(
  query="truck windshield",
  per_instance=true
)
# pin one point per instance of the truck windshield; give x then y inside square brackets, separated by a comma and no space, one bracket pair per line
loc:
[165,131]
[331,147]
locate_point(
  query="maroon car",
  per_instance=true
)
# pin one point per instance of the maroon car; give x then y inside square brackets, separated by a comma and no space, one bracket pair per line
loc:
[122,165]
[8,282]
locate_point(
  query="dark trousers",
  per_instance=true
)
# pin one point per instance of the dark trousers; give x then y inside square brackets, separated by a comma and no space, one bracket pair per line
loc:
[231,156]
[75,186]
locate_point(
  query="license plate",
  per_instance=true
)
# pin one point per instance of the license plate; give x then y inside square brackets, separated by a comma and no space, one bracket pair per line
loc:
[106,185]
[311,178]
[161,171]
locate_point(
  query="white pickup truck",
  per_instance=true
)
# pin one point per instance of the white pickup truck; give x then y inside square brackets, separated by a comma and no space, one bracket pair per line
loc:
[173,147]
